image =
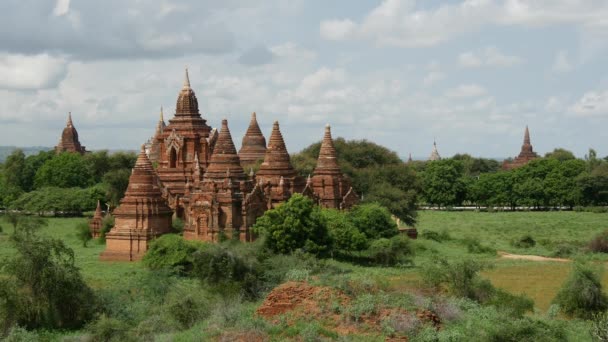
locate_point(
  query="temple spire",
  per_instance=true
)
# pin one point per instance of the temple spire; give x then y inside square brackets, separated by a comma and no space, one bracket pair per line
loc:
[527,136]
[327,163]
[434,154]
[187,80]
[224,160]
[162,117]
[70,124]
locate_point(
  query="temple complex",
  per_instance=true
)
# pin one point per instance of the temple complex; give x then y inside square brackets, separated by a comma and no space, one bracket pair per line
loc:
[526,154]
[253,147]
[142,215]
[69,139]
[199,177]
[95,223]
[328,183]
[434,154]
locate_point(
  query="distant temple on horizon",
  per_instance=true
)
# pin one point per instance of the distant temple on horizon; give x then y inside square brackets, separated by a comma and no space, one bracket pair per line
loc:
[525,156]
[194,172]
[434,153]
[69,139]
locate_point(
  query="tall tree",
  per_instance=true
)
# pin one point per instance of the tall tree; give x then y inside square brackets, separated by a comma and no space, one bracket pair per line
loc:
[443,183]
[65,171]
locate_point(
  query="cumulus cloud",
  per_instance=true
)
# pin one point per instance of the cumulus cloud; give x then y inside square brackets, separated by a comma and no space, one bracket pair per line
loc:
[61,7]
[20,72]
[593,103]
[336,29]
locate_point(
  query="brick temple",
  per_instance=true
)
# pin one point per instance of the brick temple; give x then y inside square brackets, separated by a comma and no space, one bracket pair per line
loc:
[525,156]
[69,139]
[195,173]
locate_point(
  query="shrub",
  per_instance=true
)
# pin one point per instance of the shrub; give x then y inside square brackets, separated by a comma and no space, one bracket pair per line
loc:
[436,236]
[177,225]
[187,305]
[599,327]
[391,251]
[525,241]
[373,220]
[107,328]
[173,252]
[227,272]
[599,244]
[581,295]
[296,224]
[343,233]
[474,246]
[564,250]
[107,223]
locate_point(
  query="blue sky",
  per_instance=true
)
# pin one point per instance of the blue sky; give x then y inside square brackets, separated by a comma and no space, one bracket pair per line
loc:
[469,73]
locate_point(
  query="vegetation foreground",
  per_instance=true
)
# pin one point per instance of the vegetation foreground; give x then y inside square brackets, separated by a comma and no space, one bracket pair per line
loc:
[440,292]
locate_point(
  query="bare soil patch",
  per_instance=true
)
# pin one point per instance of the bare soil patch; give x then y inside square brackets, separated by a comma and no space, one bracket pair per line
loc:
[506,255]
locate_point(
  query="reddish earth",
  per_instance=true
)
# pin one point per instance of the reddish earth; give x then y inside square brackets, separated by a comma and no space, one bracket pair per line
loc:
[300,300]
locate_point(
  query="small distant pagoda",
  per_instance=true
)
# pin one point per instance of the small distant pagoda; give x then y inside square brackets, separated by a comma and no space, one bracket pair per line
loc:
[95,223]
[434,154]
[69,139]
[253,148]
[526,155]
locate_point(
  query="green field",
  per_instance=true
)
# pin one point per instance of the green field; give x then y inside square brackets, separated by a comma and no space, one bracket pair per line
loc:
[539,280]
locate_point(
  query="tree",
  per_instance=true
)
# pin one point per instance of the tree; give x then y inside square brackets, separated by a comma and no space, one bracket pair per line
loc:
[373,220]
[117,182]
[64,171]
[442,182]
[295,224]
[343,233]
[42,286]
[560,154]
[32,164]
[12,171]
[476,166]
[581,295]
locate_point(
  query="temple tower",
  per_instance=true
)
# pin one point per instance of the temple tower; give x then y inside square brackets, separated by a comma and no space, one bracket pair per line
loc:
[69,139]
[434,154]
[253,148]
[526,154]
[328,182]
[186,136]
[153,149]
[214,206]
[276,173]
[142,215]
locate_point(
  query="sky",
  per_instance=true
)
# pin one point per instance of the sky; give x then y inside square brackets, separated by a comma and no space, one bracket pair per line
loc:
[470,74]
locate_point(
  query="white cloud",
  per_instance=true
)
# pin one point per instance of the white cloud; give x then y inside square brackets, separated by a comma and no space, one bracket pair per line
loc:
[490,57]
[336,29]
[466,91]
[20,72]
[562,64]
[62,7]
[593,103]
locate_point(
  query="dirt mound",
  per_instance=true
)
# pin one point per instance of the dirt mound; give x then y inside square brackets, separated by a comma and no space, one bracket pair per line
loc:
[287,297]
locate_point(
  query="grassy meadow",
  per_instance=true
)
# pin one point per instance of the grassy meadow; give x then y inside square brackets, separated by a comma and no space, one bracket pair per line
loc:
[487,233]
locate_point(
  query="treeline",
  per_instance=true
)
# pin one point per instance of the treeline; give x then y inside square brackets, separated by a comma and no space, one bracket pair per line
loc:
[558,180]
[66,183]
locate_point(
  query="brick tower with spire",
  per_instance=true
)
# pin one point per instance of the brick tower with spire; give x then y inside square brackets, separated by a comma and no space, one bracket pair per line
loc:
[329,184]
[525,156]
[142,215]
[278,177]
[253,148]
[69,139]
[153,147]
[187,135]
[95,223]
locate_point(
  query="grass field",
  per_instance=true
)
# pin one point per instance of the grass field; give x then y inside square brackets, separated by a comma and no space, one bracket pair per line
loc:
[538,280]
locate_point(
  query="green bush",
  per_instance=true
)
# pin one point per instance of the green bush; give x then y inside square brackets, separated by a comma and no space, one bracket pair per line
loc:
[388,252]
[474,246]
[177,225]
[83,233]
[343,233]
[187,305]
[525,241]
[173,252]
[107,223]
[295,224]
[373,220]
[564,250]
[108,329]
[581,295]
[227,272]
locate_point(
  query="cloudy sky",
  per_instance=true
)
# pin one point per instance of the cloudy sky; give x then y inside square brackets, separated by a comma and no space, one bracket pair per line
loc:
[470,73]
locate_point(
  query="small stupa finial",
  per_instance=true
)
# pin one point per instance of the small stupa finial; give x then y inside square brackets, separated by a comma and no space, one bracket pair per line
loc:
[162,117]
[187,80]
[70,119]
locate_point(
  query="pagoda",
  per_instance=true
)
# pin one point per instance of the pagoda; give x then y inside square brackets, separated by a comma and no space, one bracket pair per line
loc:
[224,203]
[276,174]
[186,136]
[69,139]
[434,153]
[141,216]
[328,183]
[153,145]
[253,147]
[525,156]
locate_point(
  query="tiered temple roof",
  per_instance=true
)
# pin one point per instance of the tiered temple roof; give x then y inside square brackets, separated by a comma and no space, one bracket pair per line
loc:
[142,215]
[253,147]
[276,161]
[526,154]
[224,160]
[69,139]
